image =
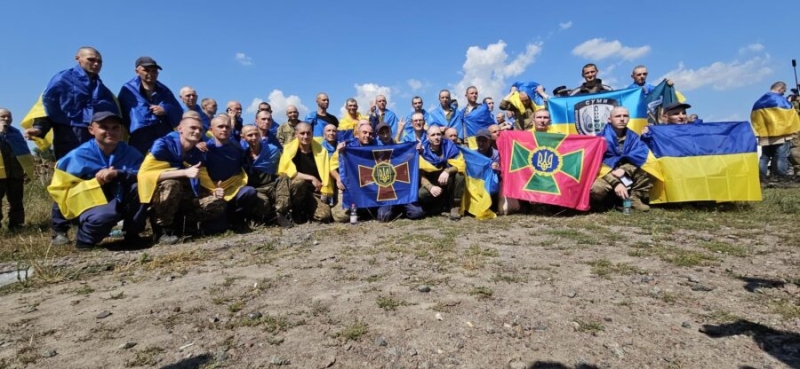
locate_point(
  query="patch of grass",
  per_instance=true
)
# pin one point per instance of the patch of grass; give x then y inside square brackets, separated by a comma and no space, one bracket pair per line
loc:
[354,331]
[27,355]
[673,255]
[229,281]
[84,290]
[475,250]
[178,262]
[604,268]
[117,296]
[720,316]
[473,263]
[575,235]
[374,278]
[146,357]
[589,326]
[271,324]
[787,309]
[669,297]
[725,248]
[481,292]
[318,308]
[388,303]
[509,278]
[236,306]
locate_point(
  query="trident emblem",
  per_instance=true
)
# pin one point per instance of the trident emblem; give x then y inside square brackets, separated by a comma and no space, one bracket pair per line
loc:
[544,161]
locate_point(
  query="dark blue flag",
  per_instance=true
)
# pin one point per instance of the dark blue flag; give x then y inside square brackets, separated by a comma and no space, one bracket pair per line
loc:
[380,175]
[659,96]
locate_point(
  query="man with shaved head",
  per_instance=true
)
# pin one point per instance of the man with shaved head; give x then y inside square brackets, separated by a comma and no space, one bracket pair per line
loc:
[234,111]
[541,120]
[266,127]
[189,99]
[69,101]
[307,165]
[209,107]
[625,155]
[441,177]
[523,119]
[380,114]
[330,138]
[320,118]
[451,134]
[286,130]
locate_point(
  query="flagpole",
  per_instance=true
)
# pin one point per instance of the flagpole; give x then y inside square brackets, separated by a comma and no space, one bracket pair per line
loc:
[796,85]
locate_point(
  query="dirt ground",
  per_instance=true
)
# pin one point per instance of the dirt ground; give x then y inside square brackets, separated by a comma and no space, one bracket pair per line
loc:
[675,288]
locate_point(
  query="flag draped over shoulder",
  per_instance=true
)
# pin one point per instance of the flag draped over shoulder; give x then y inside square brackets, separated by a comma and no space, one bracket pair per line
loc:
[74,186]
[657,97]
[634,151]
[20,149]
[286,165]
[223,169]
[348,126]
[166,154]
[705,162]
[479,118]
[588,114]
[36,112]
[550,168]
[530,89]
[380,175]
[481,182]
[773,116]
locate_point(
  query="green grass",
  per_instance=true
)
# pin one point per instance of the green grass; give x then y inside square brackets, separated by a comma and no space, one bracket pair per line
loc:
[388,303]
[604,268]
[589,326]
[481,292]
[786,308]
[354,331]
[724,248]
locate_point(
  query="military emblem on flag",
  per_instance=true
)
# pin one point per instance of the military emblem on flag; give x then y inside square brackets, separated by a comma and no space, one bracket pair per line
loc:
[550,168]
[382,175]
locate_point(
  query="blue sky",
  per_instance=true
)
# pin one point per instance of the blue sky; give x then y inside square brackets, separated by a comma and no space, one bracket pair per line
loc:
[722,55]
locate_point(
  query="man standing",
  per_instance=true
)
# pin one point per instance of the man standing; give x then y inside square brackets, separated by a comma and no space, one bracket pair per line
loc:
[209,107]
[169,182]
[16,162]
[349,122]
[261,164]
[441,175]
[234,111]
[418,133]
[307,164]
[522,118]
[266,127]
[625,155]
[403,129]
[69,101]
[639,76]
[96,183]
[224,168]
[286,130]
[149,108]
[379,114]
[446,114]
[320,118]
[774,121]
[189,99]
[591,84]
[541,120]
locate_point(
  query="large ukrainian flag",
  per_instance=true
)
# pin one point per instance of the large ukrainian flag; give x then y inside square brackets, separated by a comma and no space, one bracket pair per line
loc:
[481,181]
[588,114]
[773,116]
[705,162]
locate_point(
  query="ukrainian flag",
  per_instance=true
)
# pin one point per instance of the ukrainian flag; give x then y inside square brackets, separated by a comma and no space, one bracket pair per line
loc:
[20,150]
[479,118]
[530,89]
[588,114]
[36,112]
[481,181]
[705,162]
[773,116]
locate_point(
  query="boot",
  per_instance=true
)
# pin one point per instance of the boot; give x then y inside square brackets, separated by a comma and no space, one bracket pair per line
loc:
[638,205]
[167,237]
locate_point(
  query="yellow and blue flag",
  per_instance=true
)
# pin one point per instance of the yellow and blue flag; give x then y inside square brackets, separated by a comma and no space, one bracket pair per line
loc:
[773,116]
[20,150]
[321,158]
[481,182]
[705,162]
[530,89]
[479,118]
[166,154]
[380,175]
[588,114]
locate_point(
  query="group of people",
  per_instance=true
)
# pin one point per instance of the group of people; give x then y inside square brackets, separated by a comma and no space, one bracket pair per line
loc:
[188,169]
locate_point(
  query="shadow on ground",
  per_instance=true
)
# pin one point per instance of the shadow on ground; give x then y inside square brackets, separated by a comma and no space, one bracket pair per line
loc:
[782,345]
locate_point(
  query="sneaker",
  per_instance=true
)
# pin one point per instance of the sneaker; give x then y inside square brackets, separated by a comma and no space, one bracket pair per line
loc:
[283,222]
[455,213]
[168,237]
[638,205]
[60,239]
[83,246]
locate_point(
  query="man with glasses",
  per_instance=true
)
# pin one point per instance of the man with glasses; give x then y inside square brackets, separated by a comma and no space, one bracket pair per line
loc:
[417,133]
[189,99]
[286,130]
[149,108]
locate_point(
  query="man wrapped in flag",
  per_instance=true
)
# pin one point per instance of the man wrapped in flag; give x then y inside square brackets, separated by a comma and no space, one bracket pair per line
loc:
[623,173]
[441,177]
[261,165]
[524,99]
[169,180]
[446,114]
[775,122]
[96,183]
[383,176]
[479,118]
[16,163]
[307,164]
[64,111]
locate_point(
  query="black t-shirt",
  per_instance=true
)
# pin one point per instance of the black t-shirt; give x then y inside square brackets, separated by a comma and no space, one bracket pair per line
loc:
[306,164]
[329,119]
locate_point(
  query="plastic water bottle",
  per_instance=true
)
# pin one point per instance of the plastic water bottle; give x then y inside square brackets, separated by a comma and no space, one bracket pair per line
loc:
[353,214]
[627,208]
[116,234]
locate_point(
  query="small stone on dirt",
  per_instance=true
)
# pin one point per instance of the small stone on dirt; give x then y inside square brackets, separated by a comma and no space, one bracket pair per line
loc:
[439,316]
[518,365]
[424,288]
[49,353]
[702,288]
[540,327]
[412,352]
[693,279]
[380,341]
[572,294]
[686,325]
[254,315]
[103,315]
[127,345]
[655,291]
[277,360]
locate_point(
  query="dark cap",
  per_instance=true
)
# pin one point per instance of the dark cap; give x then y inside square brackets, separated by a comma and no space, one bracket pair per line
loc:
[103,115]
[484,133]
[676,106]
[146,61]
[382,126]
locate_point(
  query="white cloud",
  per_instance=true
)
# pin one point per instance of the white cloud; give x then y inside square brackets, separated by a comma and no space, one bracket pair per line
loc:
[721,75]
[366,93]
[279,102]
[756,47]
[599,49]
[565,25]
[415,84]
[243,59]
[487,69]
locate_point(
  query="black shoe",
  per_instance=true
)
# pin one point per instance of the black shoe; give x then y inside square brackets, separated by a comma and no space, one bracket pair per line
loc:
[240,228]
[83,246]
[283,221]
[134,240]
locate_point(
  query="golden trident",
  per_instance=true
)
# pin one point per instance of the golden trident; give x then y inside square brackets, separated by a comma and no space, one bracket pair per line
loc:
[545,160]
[384,174]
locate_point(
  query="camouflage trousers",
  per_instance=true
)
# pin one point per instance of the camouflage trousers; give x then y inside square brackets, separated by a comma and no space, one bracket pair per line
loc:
[794,155]
[602,189]
[305,202]
[273,197]
[175,196]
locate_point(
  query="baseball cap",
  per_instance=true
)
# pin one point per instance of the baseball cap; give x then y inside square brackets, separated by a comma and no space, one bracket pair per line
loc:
[676,106]
[484,133]
[382,126]
[146,61]
[103,115]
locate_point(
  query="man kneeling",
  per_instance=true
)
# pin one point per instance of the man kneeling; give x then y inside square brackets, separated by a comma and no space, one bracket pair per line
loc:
[168,181]
[261,164]
[441,176]
[96,183]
